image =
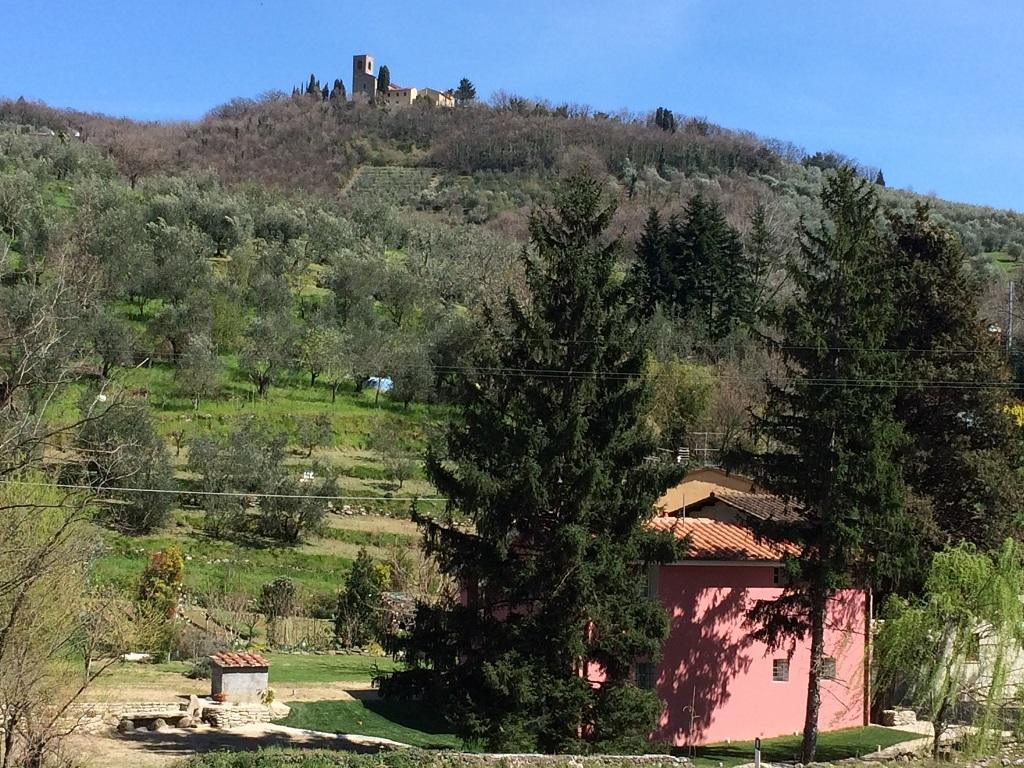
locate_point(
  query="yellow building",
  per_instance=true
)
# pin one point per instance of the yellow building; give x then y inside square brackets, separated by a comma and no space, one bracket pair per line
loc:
[438,98]
[398,96]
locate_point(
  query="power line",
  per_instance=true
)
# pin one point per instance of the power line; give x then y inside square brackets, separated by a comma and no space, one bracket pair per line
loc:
[557,373]
[236,494]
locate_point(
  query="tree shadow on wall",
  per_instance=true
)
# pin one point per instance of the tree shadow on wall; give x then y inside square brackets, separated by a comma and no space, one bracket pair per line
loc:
[710,655]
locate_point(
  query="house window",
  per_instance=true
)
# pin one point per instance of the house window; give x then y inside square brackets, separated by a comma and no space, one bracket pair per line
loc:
[645,675]
[780,670]
[647,583]
[780,577]
[828,668]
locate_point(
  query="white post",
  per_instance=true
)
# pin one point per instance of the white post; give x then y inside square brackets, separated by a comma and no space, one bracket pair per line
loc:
[757,753]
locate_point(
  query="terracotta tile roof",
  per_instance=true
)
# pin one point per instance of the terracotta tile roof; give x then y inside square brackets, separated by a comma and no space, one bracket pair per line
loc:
[238,659]
[763,506]
[718,540]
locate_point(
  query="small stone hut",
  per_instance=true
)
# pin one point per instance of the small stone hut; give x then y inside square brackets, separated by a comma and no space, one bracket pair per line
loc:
[240,676]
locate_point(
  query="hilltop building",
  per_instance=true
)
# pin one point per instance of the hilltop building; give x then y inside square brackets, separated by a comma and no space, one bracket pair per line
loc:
[364,88]
[364,82]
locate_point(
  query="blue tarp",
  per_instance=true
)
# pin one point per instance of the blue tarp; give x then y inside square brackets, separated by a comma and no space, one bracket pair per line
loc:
[380,383]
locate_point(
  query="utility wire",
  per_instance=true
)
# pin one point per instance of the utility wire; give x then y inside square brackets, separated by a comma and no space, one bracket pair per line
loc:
[242,494]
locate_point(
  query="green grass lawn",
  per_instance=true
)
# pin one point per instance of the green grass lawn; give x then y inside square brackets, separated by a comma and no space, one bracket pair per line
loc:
[832,746]
[216,563]
[299,668]
[1007,266]
[407,722]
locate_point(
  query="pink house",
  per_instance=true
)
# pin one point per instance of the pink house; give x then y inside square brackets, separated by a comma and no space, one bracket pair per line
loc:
[716,683]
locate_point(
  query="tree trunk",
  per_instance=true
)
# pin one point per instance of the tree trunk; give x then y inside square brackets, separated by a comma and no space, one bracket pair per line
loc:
[312,378]
[819,605]
[334,390]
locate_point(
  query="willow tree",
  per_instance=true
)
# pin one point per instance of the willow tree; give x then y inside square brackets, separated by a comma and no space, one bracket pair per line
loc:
[548,459]
[951,649]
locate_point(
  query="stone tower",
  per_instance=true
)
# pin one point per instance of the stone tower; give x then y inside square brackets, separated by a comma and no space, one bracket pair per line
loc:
[364,82]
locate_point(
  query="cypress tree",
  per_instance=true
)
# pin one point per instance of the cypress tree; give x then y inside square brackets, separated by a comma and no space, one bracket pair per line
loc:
[314,86]
[547,459]
[383,79]
[879,178]
[338,92]
[834,442]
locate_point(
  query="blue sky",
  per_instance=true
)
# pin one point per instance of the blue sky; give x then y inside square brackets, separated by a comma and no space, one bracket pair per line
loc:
[929,90]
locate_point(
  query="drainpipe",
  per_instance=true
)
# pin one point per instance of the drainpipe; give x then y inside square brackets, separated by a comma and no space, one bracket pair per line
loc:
[869,600]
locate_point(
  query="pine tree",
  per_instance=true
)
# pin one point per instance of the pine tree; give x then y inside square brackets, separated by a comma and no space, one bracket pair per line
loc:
[712,274]
[383,79]
[696,264]
[465,93]
[652,277]
[965,456]
[764,258]
[551,469]
[834,442]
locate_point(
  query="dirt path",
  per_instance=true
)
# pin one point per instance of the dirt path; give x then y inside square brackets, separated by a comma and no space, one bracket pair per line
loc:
[147,749]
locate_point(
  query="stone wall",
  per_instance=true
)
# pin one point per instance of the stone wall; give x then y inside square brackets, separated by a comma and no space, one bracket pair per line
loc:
[91,717]
[229,715]
[898,717]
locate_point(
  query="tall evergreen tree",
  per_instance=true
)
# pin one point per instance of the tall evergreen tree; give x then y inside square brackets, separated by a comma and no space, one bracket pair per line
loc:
[652,276]
[764,259]
[834,441]
[465,93]
[664,119]
[338,92]
[879,178]
[713,273]
[965,457]
[547,458]
[383,80]
[313,88]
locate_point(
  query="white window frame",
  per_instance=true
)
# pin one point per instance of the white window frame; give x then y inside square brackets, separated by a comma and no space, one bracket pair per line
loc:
[780,670]
[826,673]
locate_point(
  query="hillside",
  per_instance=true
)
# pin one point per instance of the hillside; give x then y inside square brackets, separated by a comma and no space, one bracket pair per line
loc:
[242,279]
[486,164]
